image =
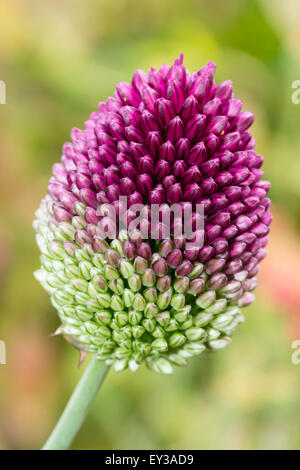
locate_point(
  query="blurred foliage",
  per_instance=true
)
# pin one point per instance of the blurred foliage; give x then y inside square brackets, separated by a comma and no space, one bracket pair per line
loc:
[58,59]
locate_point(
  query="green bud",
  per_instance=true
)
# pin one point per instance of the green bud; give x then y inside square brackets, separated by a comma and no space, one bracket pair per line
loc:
[148,278]
[150,294]
[218,307]
[178,301]
[158,332]
[99,283]
[104,316]
[81,255]
[177,359]
[121,353]
[120,365]
[206,299]
[176,340]
[139,302]
[92,292]
[91,327]
[164,299]
[193,349]
[104,300]
[202,319]
[72,270]
[134,317]
[140,265]
[138,331]
[121,318]
[198,269]
[126,268]
[112,257]
[85,267]
[164,283]
[219,343]
[194,334]
[116,303]
[56,249]
[230,287]
[80,284]
[212,334]
[173,325]
[163,318]
[70,310]
[61,297]
[110,273]
[149,324]
[151,310]
[98,260]
[117,286]
[54,281]
[117,246]
[181,285]
[82,313]
[134,282]
[133,365]
[128,297]
[160,345]
[182,314]
[160,365]
[221,321]
[92,305]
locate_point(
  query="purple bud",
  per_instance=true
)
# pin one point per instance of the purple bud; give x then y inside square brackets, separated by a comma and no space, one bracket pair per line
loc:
[192,175]
[149,97]
[212,107]
[164,283]
[154,142]
[216,281]
[167,152]
[128,169]
[165,111]
[134,135]
[157,196]
[174,258]
[224,90]
[242,121]
[175,129]
[210,167]
[146,165]
[195,126]
[192,192]
[179,168]
[205,253]
[148,122]
[182,147]
[175,94]
[165,247]
[127,94]
[190,108]
[144,183]
[231,108]
[130,115]
[160,267]
[184,269]
[144,250]
[196,286]
[162,169]
[217,124]
[229,141]
[197,154]
[211,142]
[174,193]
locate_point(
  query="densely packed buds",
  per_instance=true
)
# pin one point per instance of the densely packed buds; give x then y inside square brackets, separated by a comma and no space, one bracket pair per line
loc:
[169,137]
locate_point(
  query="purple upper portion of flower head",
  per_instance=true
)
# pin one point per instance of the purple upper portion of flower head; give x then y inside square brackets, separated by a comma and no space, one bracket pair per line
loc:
[171,137]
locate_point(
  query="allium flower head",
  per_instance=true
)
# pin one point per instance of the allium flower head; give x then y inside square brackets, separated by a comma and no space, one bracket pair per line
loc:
[169,137]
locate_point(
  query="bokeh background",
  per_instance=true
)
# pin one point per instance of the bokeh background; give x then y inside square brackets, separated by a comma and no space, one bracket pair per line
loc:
[58,59]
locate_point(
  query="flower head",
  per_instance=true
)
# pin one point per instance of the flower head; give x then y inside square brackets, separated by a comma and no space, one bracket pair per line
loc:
[169,137]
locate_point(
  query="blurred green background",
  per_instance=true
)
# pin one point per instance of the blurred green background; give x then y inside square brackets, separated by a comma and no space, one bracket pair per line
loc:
[59,58]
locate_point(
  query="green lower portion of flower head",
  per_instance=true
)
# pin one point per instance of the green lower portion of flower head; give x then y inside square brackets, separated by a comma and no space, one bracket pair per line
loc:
[122,311]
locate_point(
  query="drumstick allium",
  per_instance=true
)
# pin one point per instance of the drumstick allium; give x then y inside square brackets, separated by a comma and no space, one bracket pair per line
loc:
[168,137]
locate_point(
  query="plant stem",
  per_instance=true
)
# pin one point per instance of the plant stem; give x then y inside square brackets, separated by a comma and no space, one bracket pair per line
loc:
[78,406]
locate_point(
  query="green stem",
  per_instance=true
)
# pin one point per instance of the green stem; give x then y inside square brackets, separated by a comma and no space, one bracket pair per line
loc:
[78,406]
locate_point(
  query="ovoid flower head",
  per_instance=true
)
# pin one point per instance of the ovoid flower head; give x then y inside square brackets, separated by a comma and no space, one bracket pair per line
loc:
[168,137]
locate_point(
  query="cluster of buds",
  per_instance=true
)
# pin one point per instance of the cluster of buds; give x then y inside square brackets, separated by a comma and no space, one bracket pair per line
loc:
[170,137]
